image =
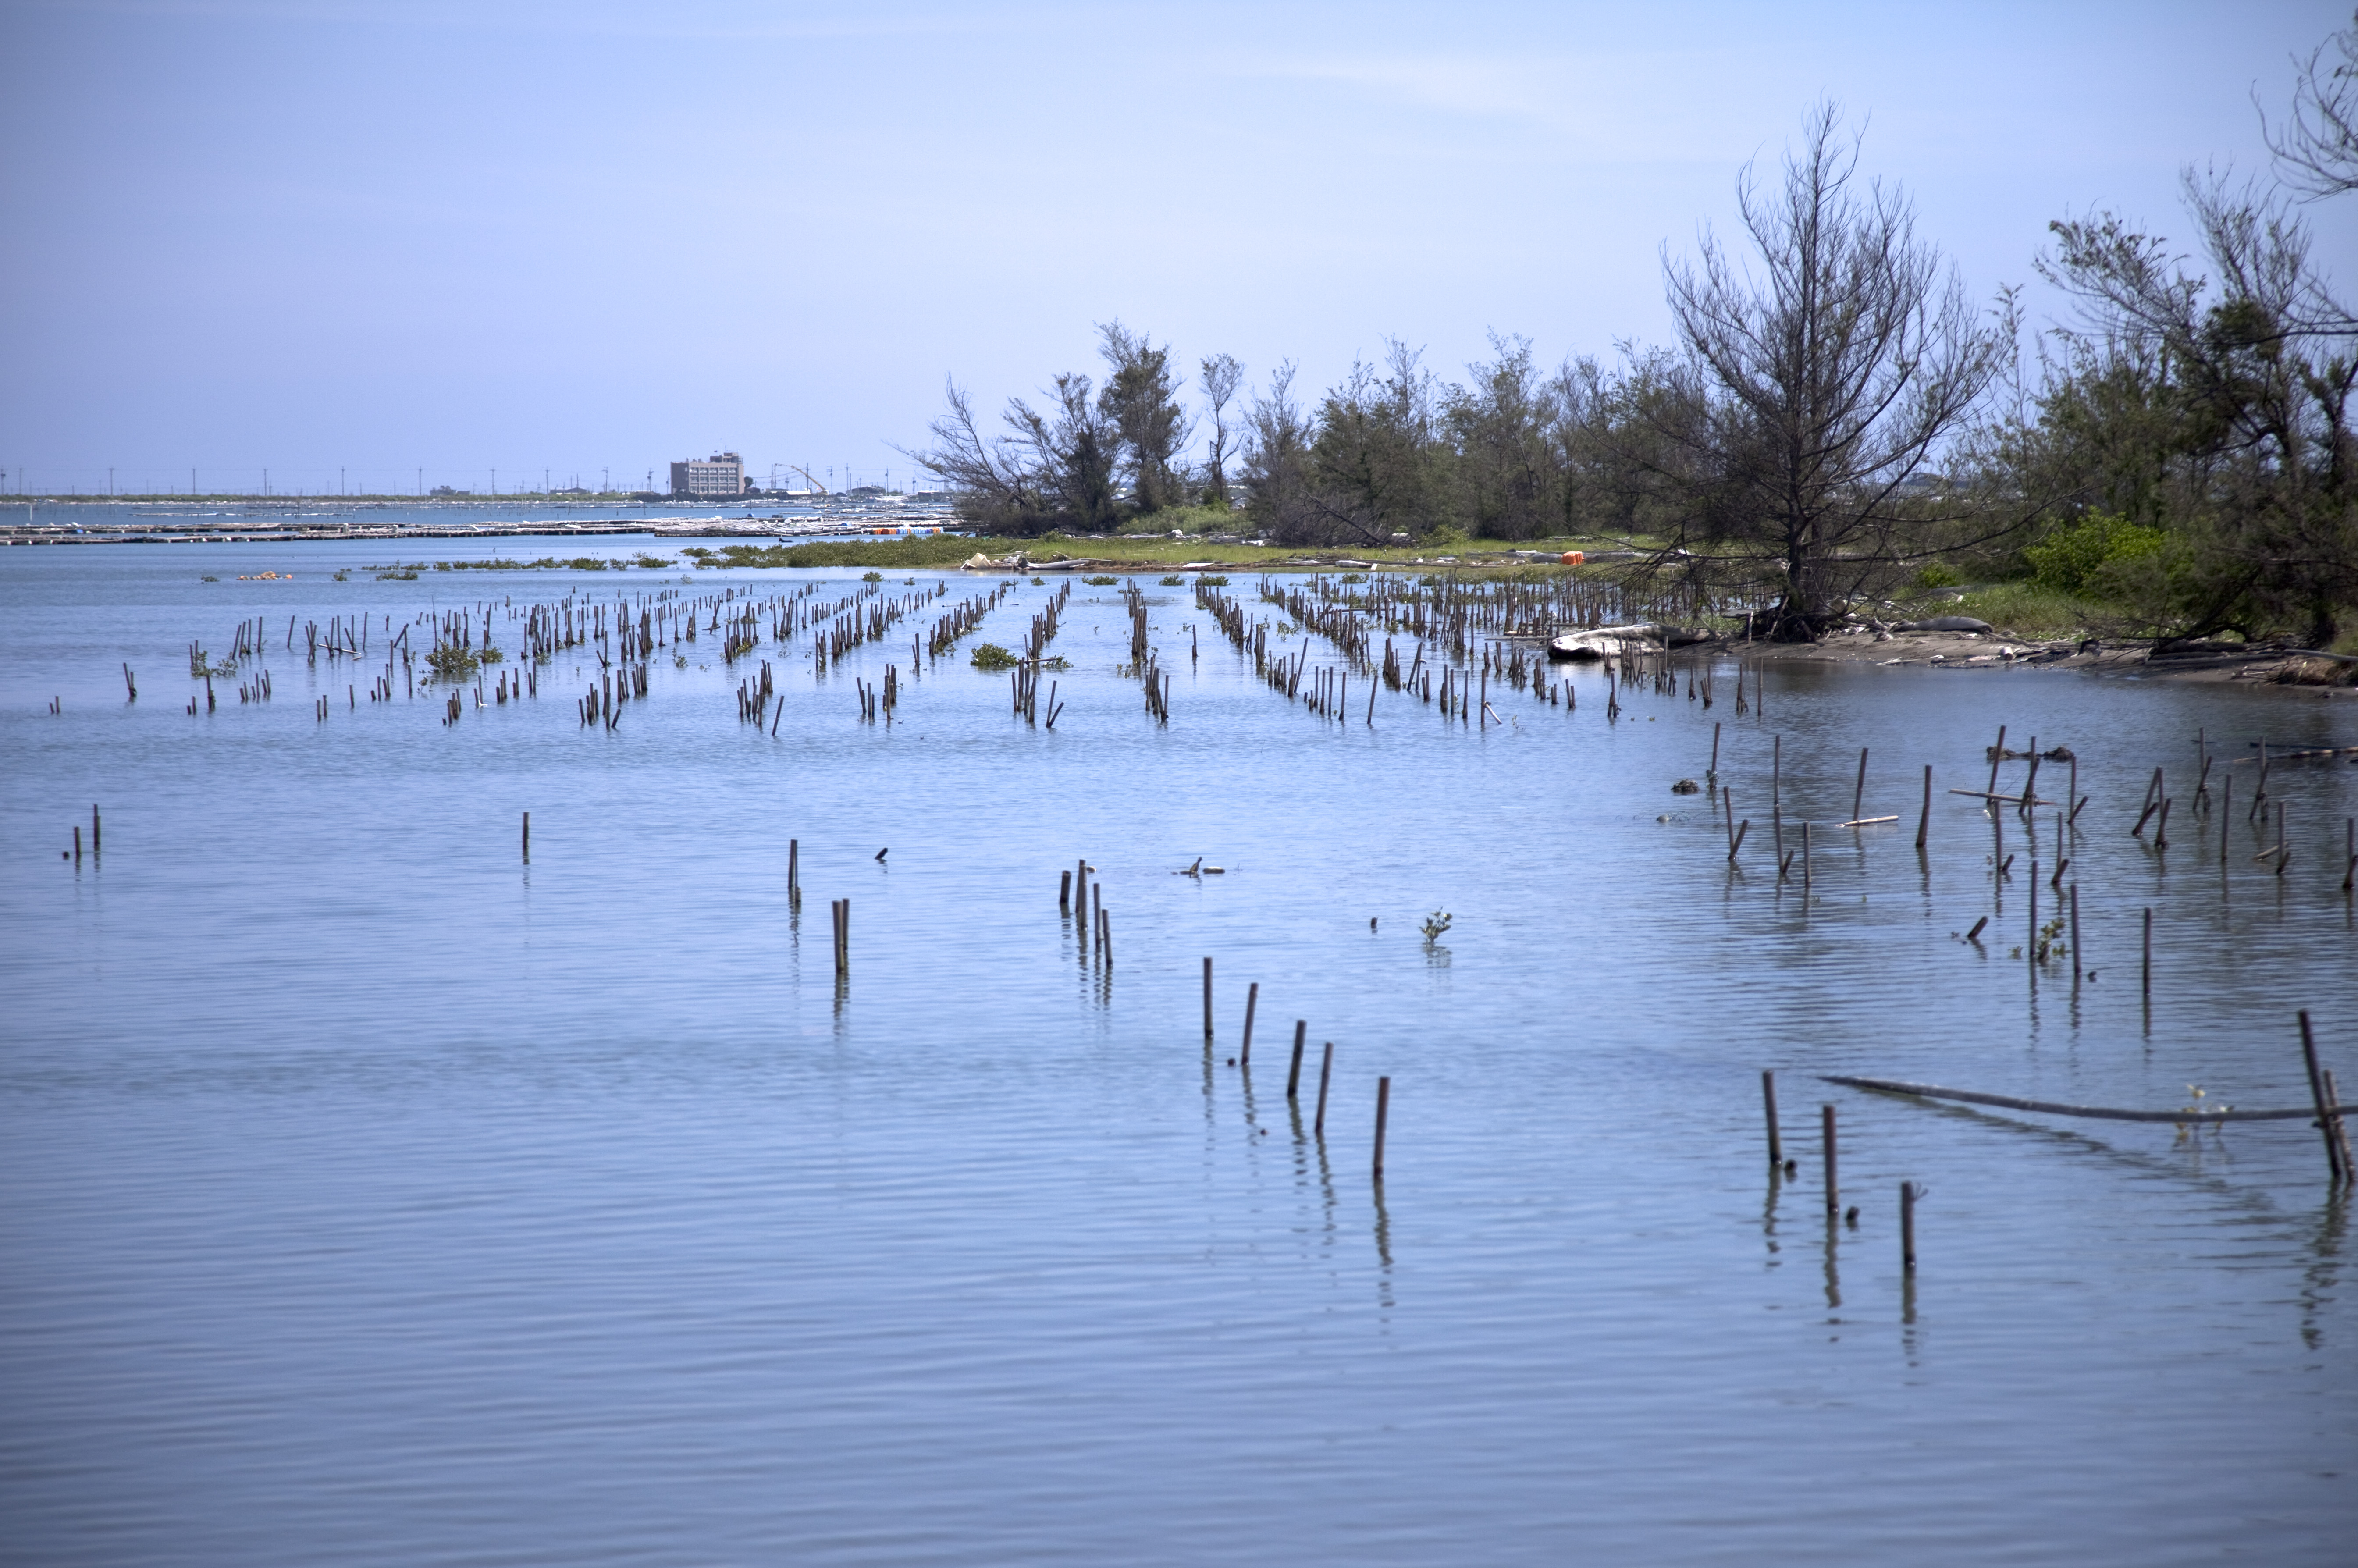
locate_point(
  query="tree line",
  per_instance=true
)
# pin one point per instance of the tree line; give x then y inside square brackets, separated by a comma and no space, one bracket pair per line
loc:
[1833,418]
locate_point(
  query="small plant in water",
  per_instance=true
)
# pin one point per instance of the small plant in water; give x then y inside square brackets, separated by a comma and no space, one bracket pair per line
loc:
[991,656]
[1435,925]
[1101,582]
[1174,580]
[2050,947]
[449,661]
[679,661]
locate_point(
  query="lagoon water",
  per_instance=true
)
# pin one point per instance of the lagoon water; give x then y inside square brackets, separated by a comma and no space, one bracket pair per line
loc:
[374,1197]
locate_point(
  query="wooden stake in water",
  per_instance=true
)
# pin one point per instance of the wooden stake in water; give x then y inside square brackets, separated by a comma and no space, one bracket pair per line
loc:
[1293,1074]
[1064,893]
[2145,971]
[2340,1124]
[1769,1104]
[1383,1110]
[1252,1000]
[1207,1001]
[1833,1190]
[527,835]
[2079,965]
[794,870]
[1924,822]
[2317,1093]
[1998,755]
[1326,1074]
[1907,1227]
[93,834]
[1859,794]
[1715,751]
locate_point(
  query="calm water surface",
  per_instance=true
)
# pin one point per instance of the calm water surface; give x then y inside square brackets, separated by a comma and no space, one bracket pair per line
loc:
[372,1197]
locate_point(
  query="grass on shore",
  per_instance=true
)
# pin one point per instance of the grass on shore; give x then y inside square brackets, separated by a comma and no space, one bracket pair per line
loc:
[2025,609]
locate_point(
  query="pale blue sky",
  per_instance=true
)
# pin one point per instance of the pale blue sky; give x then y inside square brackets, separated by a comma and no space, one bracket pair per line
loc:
[600,235]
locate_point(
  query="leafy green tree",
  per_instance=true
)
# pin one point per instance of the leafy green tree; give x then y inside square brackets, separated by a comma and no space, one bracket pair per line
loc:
[1140,401]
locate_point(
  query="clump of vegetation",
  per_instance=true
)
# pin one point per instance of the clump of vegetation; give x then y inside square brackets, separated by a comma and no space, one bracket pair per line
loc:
[409,575]
[2084,558]
[1101,582]
[1174,580]
[872,577]
[991,656]
[1435,925]
[1209,580]
[451,662]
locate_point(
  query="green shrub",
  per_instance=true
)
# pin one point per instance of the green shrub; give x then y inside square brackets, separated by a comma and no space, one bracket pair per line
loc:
[991,656]
[2073,560]
[1174,580]
[1101,582]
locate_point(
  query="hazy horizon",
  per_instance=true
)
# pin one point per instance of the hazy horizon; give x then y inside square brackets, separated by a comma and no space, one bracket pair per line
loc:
[591,239]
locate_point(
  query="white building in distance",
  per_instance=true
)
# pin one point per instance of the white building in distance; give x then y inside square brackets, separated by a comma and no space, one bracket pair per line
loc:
[722,473]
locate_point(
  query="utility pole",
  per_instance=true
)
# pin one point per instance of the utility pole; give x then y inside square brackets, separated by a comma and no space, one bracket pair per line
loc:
[110,482]
[496,482]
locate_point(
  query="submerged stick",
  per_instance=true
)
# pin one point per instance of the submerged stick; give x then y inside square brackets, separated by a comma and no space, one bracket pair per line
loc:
[1768,1105]
[1383,1111]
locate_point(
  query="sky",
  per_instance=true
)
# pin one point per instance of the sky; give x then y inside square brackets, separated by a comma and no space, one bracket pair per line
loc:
[374,245]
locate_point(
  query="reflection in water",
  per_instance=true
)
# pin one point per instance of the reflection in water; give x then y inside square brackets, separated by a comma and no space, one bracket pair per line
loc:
[1383,1250]
[1833,1271]
[2324,1269]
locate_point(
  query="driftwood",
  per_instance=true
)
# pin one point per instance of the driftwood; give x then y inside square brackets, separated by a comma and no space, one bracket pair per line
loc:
[1615,642]
[2107,1113]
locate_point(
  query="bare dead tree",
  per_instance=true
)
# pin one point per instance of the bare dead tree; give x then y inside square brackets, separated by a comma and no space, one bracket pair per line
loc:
[1815,394]
[1052,468]
[994,482]
[2316,144]
[1221,375]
